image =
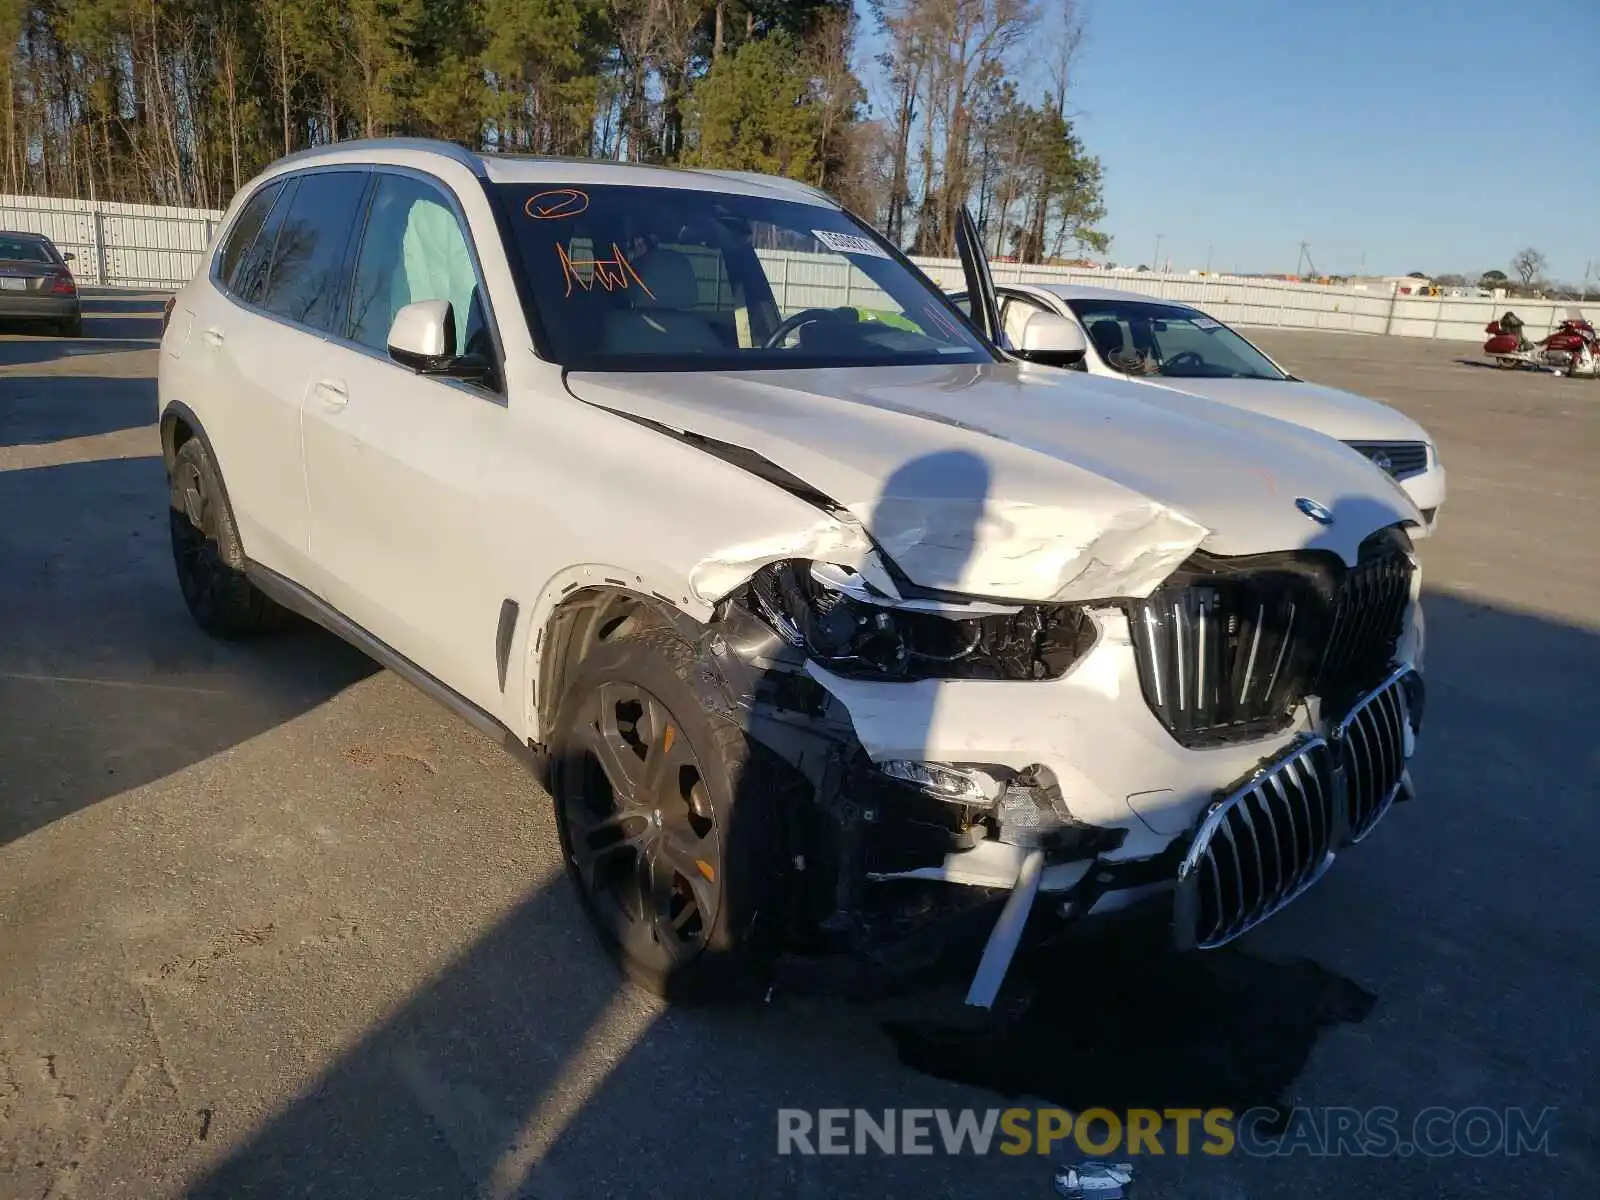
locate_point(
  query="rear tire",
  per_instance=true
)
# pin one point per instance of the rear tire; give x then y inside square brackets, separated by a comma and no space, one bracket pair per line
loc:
[71,327]
[207,554]
[669,823]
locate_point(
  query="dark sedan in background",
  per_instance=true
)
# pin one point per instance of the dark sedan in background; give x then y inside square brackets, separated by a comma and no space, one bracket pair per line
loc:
[36,284]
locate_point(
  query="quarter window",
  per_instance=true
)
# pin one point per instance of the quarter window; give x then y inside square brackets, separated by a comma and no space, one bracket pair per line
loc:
[308,259]
[250,279]
[414,249]
[243,234]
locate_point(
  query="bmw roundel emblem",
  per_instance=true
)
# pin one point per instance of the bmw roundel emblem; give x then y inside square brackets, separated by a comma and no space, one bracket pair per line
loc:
[1317,512]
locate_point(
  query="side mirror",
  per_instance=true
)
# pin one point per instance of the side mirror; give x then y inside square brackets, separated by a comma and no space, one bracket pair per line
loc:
[1052,340]
[68,256]
[422,338]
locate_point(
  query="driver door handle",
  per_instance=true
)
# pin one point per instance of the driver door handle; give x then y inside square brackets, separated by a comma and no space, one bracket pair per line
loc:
[332,392]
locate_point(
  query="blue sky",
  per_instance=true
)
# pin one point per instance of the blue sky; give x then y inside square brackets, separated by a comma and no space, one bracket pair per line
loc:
[1426,135]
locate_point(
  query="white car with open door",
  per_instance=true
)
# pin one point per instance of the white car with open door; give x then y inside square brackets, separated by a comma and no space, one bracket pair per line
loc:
[831,627]
[1175,345]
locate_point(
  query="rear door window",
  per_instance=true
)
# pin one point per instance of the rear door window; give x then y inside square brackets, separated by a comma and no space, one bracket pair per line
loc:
[305,281]
[243,234]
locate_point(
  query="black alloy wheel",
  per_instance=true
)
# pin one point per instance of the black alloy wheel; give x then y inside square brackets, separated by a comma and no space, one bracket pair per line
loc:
[193,518]
[640,829]
[670,824]
[206,552]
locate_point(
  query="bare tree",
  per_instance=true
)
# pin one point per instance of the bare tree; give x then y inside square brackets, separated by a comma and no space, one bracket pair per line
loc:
[835,90]
[234,78]
[1528,263]
[863,176]
[906,63]
[677,27]
[952,53]
[1067,28]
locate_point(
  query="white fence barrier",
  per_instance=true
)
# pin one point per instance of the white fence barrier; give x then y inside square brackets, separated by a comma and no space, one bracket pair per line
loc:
[144,245]
[1238,300]
[117,245]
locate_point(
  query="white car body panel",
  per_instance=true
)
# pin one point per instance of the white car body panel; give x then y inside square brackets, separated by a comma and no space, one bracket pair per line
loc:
[257,370]
[398,538]
[1029,431]
[1332,411]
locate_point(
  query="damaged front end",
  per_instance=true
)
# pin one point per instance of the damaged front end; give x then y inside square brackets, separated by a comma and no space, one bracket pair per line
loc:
[887,837]
[973,763]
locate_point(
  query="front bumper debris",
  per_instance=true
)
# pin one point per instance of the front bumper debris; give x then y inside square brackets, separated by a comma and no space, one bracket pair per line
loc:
[1094,1180]
[1265,842]
[1077,801]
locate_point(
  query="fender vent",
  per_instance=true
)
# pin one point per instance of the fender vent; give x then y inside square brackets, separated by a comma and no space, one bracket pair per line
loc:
[502,638]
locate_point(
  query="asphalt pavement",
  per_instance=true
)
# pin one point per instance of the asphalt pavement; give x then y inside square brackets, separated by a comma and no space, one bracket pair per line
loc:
[272,924]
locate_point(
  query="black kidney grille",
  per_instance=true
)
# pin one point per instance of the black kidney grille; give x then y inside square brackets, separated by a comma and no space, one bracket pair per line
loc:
[1228,657]
[1371,741]
[1227,652]
[1367,609]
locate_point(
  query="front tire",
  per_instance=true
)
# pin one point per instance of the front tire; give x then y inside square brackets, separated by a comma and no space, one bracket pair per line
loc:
[668,823]
[207,554]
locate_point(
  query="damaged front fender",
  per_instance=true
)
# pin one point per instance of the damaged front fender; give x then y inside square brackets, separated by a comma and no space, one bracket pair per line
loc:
[838,540]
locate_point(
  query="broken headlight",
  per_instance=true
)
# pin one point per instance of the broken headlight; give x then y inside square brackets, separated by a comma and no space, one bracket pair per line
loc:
[842,622]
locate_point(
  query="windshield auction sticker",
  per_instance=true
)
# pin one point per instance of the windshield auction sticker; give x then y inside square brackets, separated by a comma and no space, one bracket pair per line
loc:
[849,243]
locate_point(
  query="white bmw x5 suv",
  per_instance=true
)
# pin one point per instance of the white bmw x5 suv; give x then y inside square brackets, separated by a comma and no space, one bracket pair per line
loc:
[832,628]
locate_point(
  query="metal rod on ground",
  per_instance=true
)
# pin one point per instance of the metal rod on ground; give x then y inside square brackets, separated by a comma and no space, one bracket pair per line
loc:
[1007,933]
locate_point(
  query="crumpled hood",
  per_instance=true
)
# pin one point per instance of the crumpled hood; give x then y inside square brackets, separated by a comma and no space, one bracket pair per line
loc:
[1339,414]
[1024,483]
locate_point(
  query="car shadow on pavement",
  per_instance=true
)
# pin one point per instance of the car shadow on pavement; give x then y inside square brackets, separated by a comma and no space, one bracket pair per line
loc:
[40,409]
[526,1068]
[105,681]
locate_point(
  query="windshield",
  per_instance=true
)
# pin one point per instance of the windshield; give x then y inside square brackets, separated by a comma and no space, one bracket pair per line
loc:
[1139,338]
[647,278]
